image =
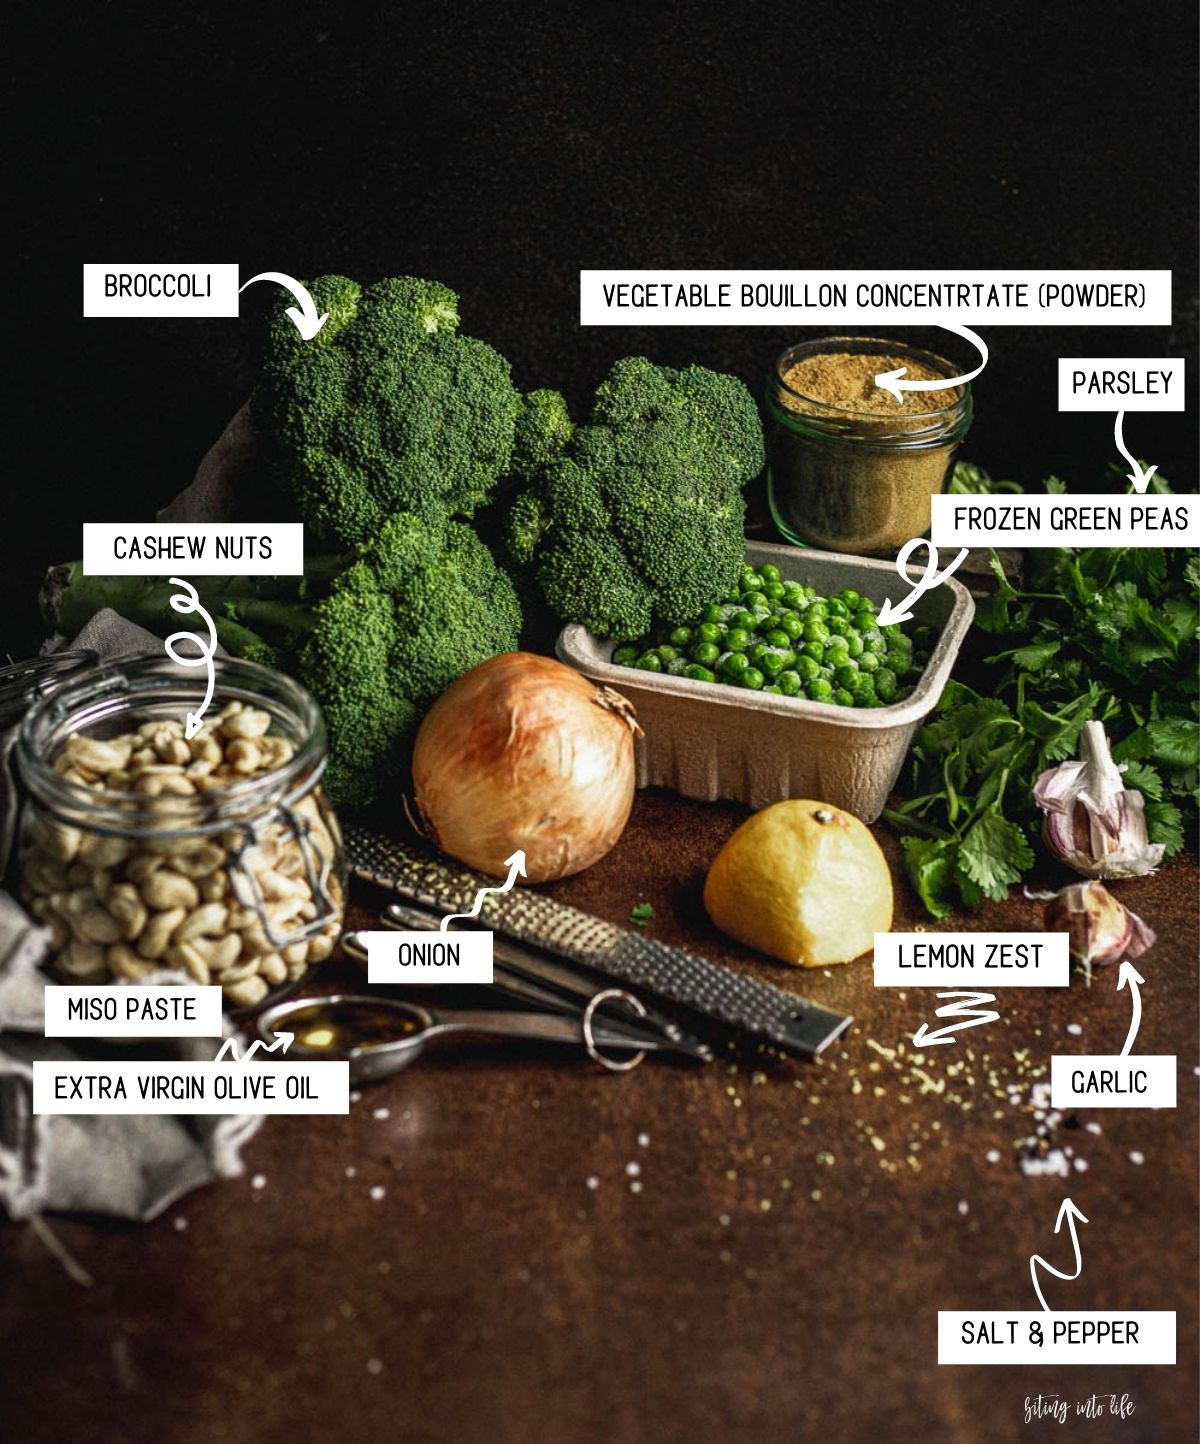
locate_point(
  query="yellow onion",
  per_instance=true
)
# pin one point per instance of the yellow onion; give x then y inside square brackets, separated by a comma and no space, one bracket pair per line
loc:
[523,753]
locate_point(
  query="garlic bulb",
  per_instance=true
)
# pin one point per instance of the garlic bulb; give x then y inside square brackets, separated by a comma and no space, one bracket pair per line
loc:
[1101,929]
[1094,823]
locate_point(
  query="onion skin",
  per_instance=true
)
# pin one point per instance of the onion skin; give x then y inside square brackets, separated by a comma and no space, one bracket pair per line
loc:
[523,752]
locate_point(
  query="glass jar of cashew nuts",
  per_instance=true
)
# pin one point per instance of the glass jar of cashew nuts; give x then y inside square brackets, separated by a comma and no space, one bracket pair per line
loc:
[217,856]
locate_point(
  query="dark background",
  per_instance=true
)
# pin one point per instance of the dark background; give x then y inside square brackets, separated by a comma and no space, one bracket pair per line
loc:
[500,149]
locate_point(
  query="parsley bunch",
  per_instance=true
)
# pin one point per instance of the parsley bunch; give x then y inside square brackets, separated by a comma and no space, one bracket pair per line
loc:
[1104,634]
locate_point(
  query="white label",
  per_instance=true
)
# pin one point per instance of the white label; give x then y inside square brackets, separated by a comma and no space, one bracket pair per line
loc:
[1066,521]
[193,549]
[144,288]
[1141,383]
[102,1011]
[427,957]
[191,1088]
[835,298]
[1097,1080]
[1032,1336]
[997,960]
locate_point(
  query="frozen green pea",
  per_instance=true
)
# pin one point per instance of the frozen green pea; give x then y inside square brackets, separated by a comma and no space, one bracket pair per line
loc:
[625,656]
[753,679]
[819,690]
[842,697]
[649,662]
[789,683]
[698,673]
[706,653]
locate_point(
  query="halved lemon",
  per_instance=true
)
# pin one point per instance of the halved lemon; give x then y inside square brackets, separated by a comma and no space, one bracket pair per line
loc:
[804,882]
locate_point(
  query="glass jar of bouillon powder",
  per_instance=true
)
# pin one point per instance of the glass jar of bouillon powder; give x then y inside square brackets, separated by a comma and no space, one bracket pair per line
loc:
[849,468]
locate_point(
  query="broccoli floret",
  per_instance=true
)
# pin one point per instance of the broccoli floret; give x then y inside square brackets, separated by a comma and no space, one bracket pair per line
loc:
[425,603]
[638,519]
[543,429]
[387,409]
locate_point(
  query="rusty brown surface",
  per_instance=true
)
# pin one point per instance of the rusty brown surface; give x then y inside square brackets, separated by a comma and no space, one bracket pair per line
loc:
[776,1278]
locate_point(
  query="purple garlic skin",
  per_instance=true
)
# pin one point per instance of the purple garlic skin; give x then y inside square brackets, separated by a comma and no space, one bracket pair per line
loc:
[1100,929]
[1094,823]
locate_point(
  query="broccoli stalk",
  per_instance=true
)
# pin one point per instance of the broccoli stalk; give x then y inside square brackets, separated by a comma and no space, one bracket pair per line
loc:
[68,598]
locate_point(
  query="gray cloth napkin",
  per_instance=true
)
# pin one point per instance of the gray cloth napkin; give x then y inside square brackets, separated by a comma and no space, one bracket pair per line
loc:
[124,1166]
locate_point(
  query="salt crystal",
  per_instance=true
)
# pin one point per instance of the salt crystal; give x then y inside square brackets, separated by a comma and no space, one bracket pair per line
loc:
[374,1366]
[592,1182]
[259,1181]
[378,1191]
[633,1169]
[643,1140]
[355,1096]
[381,1113]
[724,1220]
[181,1223]
[1075,1029]
[635,1186]
[963,1206]
[993,1155]
[1093,1127]
[1137,1157]
[350,1170]
[1081,1165]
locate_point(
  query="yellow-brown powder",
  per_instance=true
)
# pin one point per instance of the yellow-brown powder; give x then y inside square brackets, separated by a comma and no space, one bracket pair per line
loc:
[846,380]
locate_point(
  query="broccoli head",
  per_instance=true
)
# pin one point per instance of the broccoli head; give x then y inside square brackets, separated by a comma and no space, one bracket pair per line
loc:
[637,518]
[386,409]
[424,603]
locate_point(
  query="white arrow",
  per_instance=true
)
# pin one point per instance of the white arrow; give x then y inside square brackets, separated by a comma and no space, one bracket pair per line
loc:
[890,380]
[308,323]
[969,1013]
[891,611]
[1068,1211]
[229,1048]
[1140,478]
[189,601]
[1127,973]
[515,865]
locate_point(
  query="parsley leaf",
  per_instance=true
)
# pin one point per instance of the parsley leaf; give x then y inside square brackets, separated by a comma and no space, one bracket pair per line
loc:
[993,854]
[641,914]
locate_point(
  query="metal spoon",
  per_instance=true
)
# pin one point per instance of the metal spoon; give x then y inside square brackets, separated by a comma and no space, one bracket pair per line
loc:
[380,1036]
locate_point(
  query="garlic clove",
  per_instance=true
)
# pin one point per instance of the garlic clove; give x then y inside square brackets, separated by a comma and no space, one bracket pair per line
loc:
[1101,930]
[1093,822]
